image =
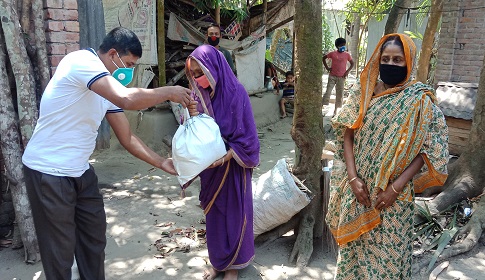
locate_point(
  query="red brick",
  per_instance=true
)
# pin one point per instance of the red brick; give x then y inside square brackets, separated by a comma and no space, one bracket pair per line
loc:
[466,19]
[60,14]
[55,14]
[71,15]
[473,35]
[70,4]
[71,47]
[54,25]
[470,25]
[56,48]
[55,59]
[71,26]
[53,4]
[53,71]
[62,37]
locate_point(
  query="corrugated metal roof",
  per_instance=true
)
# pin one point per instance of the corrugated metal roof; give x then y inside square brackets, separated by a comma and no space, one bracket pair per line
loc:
[457,100]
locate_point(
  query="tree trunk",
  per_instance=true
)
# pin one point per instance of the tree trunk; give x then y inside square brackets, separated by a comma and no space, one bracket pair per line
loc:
[22,69]
[428,38]
[307,130]
[41,66]
[395,16]
[466,178]
[354,42]
[11,149]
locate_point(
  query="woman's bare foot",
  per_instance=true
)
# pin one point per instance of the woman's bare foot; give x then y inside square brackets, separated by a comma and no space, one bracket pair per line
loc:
[210,274]
[230,275]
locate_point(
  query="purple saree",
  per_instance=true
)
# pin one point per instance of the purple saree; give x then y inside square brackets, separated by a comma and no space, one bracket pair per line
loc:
[226,192]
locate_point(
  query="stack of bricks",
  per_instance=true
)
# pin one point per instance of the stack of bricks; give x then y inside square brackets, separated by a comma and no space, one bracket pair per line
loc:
[462,43]
[62,29]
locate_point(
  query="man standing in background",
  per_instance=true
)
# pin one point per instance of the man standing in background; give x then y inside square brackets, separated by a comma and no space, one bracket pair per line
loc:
[338,72]
[213,38]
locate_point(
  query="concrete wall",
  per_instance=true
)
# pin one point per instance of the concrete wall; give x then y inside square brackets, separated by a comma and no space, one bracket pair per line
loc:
[462,42]
[153,126]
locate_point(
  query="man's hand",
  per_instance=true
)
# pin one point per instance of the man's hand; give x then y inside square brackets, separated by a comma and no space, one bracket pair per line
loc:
[167,166]
[180,95]
[361,192]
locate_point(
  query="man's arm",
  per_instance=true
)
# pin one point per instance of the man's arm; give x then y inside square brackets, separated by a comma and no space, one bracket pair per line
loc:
[324,60]
[350,68]
[231,63]
[138,98]
[135,145]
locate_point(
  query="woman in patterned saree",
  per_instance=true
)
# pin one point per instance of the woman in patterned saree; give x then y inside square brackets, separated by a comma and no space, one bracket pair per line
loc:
[226,194]
[388,129]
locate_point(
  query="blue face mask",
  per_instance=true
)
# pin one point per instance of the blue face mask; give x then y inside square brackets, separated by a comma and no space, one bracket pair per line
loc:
[123,75]
[341,49]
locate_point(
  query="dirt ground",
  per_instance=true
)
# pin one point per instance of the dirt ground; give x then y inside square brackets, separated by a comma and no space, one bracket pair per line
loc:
[143,206]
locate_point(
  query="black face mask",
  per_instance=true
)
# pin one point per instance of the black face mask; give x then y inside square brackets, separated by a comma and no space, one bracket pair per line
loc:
[392,74]
[213,40]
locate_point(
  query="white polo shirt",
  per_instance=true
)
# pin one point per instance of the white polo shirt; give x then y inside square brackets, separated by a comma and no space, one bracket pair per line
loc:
[70,114]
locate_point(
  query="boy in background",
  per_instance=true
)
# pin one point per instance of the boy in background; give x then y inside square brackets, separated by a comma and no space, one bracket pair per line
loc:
[288,92]
[338,72]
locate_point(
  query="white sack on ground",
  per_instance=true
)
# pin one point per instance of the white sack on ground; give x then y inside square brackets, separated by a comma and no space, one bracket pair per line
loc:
[276,198]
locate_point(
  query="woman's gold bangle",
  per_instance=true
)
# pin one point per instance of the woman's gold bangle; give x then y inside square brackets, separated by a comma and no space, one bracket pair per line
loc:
[392,186]
[353,179]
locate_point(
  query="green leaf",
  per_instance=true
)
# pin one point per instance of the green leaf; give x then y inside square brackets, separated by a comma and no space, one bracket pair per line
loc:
[445,238]
[423,230]
[425,212]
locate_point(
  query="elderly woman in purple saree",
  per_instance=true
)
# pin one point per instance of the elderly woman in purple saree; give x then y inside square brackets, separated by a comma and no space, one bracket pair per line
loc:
[226,193]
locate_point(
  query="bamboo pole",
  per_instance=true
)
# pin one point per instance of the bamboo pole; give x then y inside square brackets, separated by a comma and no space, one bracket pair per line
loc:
[265,11]
[218,13]
[162,78]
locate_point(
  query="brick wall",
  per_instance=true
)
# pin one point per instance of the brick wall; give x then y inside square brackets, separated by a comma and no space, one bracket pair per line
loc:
[62,29]
[462,41]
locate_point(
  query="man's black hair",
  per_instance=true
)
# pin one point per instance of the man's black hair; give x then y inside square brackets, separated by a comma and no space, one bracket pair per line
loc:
[214,25]
[289,73]
[339,42]
[123,40]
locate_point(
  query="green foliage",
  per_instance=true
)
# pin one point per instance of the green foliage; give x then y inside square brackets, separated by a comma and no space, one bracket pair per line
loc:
[424,7]
[327,43]
[233,9]
[368,9]
[414,35]
[435,234]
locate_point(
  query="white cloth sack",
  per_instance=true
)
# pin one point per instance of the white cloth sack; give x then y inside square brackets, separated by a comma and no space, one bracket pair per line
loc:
[276,198]
[197,143]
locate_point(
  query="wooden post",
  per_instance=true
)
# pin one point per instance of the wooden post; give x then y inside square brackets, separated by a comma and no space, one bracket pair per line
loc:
[162,78]
[91,35]
[218,13]
[327,235]
[265,10]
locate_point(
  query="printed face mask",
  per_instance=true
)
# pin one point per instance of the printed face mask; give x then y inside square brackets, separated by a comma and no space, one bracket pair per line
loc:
[123,75]
[392,74]
[341,49]
[213,40]
[203,81]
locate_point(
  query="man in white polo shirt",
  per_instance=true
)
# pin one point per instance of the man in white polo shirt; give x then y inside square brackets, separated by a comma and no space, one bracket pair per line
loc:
[67,206]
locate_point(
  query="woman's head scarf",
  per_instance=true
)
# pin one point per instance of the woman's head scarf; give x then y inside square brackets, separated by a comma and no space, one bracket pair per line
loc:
[370,74]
